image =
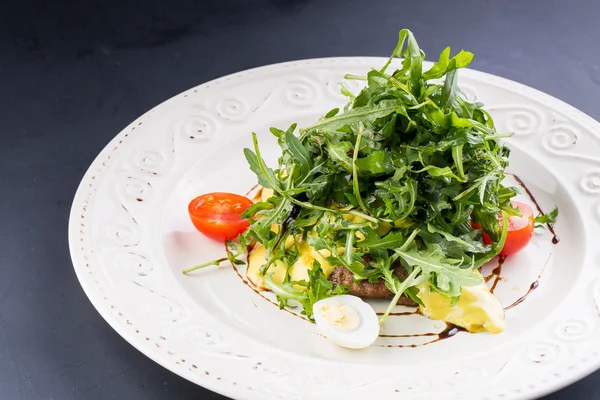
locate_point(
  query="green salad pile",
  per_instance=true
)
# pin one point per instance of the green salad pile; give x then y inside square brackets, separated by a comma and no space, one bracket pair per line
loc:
[395,178]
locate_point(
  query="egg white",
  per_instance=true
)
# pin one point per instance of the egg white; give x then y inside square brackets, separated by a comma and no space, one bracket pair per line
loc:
[364,332]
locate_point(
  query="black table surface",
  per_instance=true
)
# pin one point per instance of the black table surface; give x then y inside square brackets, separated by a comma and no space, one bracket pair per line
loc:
[74,73]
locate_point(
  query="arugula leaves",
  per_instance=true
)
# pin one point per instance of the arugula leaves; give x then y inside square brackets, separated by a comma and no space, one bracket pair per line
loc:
[316,288]
[392,180]
[544,219]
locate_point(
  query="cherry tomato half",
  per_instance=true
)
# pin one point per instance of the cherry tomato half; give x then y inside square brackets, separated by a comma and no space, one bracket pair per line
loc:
[520,230]
[219,215]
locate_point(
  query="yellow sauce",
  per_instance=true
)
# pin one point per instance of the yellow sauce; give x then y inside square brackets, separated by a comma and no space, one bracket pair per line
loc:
[298,271]
[477,310]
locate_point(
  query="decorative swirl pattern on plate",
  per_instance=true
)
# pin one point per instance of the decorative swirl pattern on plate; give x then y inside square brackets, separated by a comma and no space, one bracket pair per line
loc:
[150,162]
[131,263]
[133,189]
[565,139]
[163,309]
[204,338]
[591,182]
[210,342]
[196,127]
[521,120]
[574,329]
[469,92]
[560,137]
[122,233]
[300,92]
[232,109]
[541,353]
[334,87]
[272,369]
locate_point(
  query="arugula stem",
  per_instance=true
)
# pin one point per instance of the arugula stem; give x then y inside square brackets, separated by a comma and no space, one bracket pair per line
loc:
[349,246]
[417,106]
[355,77]
[399,291]
[365,112]
[290,177]
[281,233]
[492,158]
[409,240]
[346,92]
[480,181]
[211,263]
[319,208]
[355,172]
[263,167]
[457,152]
[404,88]
[496,136]
[364,216]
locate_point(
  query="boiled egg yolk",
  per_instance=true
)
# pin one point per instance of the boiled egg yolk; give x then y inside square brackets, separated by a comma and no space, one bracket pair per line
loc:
[347,321]
[341,316]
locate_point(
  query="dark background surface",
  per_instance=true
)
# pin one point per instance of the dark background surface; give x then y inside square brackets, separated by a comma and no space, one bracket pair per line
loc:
[74,73]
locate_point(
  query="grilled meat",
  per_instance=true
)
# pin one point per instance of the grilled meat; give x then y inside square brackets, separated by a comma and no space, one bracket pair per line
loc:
[343,276]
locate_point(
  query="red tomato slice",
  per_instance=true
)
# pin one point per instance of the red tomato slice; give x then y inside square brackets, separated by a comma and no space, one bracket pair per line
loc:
[520,230]
[219,215]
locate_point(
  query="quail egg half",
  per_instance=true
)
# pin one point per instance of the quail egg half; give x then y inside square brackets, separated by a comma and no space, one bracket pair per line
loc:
[347,321]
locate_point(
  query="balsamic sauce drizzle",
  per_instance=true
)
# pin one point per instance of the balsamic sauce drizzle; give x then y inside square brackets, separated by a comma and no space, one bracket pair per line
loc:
[496,272]
[555,238]
[533,286]
[448,332]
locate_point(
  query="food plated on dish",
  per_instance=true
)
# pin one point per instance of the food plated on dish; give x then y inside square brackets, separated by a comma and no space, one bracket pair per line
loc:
[130,236]
[397,195]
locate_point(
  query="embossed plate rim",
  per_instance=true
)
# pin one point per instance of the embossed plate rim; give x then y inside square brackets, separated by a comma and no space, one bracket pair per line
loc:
[113,318]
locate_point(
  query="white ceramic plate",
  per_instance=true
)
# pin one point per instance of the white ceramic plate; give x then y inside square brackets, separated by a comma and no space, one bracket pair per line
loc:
[130,237]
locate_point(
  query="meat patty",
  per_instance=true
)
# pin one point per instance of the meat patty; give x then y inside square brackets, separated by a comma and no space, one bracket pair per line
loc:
[343,276]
